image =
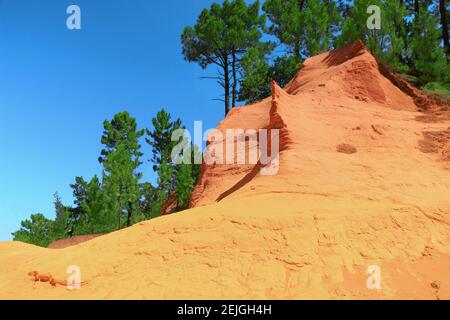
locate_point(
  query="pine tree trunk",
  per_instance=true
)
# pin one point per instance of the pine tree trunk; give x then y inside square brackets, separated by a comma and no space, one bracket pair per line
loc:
[416,7]
[130,212]
[226,75]
[233,104]
[444,22]
[301,4]
[297,54]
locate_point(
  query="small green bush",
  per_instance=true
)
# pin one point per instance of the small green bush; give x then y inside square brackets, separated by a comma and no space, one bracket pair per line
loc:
[438,88]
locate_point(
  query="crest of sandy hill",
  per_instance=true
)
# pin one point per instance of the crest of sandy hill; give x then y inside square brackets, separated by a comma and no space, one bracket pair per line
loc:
[339,102]
[363,180]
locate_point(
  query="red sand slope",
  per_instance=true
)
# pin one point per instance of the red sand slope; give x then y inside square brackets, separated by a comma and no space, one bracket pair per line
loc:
[309,232]
[65,243]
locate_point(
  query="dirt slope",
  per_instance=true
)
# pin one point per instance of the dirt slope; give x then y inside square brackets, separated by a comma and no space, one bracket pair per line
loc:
[61,244]
[362,182]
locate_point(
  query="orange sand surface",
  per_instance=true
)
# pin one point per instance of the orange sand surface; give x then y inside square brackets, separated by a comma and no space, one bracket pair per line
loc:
[309,232]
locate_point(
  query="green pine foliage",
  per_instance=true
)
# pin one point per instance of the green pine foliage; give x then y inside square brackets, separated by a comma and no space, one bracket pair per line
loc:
[35,231]
[258,74]
[220,37]
[187,176]
[429,60]
[409,40]
[160,138]
[284,69]
[185,182]
[255,82]
[122,129]
[121,160]
[305,27]
[388,43]
[441,89]
[150,206]
[120,198]
[98,211]
[287,23]
[59,227]
[173,178]
[122,182]
[320,21]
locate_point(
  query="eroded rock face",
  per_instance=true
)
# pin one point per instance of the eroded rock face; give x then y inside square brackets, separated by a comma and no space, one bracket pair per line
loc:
[170,205]
[309,232]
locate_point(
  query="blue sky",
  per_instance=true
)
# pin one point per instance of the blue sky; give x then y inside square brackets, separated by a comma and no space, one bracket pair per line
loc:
[58,86]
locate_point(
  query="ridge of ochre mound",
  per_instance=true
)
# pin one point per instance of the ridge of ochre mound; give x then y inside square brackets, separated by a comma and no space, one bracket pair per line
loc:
[361,183]
[338,97]
[349,73]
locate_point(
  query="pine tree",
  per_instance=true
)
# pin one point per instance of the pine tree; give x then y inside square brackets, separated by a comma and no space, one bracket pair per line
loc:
[184,184]
[258,74]
[394,45]
[121,159]
[221,35]
[284,69]
[160,138]
[172,177]
[287,23]
[121,129]
[35,231]
[444,12]
[59,226]
[255,82]
[305,27]
[150,206]
[320,18]
[76,213]
[121,183]
[428,56]
[187,175]
[98,210]
[387,44]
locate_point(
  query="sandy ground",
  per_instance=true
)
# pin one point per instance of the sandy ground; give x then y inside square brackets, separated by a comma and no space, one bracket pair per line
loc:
[363,181]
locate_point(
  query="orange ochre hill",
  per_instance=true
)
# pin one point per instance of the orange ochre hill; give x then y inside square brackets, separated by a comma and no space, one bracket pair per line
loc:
[364,180]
